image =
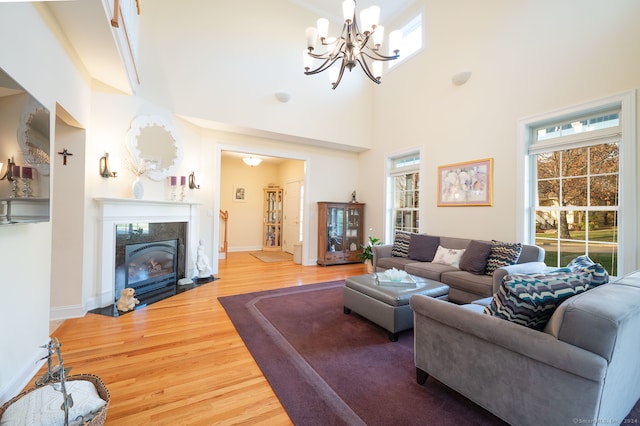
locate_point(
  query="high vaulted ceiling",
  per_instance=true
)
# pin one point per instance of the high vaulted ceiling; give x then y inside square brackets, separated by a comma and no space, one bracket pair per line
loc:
[332,9]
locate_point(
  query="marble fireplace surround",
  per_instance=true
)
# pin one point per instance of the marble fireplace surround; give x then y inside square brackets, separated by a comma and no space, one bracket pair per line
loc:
[112,211]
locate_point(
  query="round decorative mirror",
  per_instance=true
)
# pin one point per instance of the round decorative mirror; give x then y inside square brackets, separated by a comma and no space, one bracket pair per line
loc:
[153,140]
[33,136]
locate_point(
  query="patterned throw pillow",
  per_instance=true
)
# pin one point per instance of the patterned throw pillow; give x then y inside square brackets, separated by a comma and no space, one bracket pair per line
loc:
[583,263]
[446,256]
[502,254]
[401,242]
[530,300]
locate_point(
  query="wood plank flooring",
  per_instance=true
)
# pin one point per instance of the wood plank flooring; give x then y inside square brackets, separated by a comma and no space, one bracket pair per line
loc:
[180,361]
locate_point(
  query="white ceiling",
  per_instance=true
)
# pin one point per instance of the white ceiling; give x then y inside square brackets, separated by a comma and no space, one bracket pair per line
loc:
[332,9]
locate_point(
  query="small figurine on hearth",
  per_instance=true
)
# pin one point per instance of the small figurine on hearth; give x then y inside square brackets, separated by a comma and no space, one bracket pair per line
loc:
[202,262]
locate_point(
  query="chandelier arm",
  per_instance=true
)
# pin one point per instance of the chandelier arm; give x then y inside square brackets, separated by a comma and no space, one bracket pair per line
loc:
[324,66]
[375,56]
[367,71]
[337,51]
[342,67]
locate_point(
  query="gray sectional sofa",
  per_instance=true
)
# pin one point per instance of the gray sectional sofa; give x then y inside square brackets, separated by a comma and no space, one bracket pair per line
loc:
[465,286]
[582,368]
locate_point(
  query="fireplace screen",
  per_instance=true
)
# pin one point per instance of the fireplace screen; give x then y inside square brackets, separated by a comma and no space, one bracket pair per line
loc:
[150,266]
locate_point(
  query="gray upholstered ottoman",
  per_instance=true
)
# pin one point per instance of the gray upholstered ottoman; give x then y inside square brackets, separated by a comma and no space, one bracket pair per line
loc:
[388,306]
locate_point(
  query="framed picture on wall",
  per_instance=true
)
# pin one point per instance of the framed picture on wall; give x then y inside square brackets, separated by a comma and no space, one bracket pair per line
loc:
[240,194]
[466,184]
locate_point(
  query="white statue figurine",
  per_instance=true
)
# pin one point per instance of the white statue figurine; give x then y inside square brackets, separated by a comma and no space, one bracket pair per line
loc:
[202,262]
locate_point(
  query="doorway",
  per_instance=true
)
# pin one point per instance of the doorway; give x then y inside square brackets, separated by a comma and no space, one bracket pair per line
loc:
[246,216]
[293,214]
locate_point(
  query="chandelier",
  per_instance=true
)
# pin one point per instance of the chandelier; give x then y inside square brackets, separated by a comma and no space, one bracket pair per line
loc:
[352,47]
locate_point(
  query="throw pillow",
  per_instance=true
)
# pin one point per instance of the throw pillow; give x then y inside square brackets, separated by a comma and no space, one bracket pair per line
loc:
[423,247]
[446,256]
[502,254]
[475,257]
[530,300]
[401,242]
[583,263]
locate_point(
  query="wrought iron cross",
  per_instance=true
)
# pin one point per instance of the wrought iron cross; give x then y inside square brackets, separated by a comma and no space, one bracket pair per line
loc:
[65,154]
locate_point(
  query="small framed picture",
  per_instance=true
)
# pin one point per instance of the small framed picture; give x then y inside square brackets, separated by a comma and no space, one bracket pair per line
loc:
[466,184]
[240,194]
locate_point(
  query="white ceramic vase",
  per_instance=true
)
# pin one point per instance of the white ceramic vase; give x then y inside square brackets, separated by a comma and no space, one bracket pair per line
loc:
[137,188]
[368,266]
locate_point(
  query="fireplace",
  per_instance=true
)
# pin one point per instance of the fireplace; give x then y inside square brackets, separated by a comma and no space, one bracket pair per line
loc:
[151,266]
[123,222]
[150,258]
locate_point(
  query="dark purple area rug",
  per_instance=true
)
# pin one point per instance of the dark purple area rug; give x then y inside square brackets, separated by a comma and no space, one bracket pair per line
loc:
[328,368]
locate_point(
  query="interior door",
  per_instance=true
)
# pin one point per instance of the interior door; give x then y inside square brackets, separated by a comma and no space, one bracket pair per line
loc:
[292,220]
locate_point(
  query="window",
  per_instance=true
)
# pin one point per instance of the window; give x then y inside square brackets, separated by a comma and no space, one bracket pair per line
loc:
[411,40]
[404,184]
[576,163]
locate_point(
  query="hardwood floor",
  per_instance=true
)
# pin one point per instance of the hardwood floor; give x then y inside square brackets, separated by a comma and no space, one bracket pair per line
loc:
[180,361]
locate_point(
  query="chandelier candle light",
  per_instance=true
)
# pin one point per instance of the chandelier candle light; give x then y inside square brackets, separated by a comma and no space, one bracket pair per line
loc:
[352,47]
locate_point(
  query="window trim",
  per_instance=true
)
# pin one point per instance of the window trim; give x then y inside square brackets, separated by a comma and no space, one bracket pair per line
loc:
[627,206]
[390,173]
[394,64]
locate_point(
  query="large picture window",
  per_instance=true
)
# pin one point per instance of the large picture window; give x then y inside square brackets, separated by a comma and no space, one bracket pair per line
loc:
[577,204]
[579,184]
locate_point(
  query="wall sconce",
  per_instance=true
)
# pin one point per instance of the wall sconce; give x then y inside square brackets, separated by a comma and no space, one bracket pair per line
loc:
[252,161]
[8,175]
[461,78]
[192,181]
[106,169]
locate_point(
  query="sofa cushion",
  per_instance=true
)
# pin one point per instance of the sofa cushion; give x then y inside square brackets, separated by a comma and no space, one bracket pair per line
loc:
[583,263]
[475,257]
[471,284]
[430,270]
[530,300]
[423,247]
[401,242]
[502,254]
[447,256]
[393,262]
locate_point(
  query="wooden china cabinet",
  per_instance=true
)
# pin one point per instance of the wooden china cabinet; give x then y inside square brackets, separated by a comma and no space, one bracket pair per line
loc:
[272,227]
[340,232]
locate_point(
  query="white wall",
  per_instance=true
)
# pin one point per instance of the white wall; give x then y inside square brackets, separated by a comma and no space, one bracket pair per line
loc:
[225,63]
[527,57]
[36,60]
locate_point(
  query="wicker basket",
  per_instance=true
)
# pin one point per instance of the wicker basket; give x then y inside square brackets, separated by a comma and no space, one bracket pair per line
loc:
[102,390]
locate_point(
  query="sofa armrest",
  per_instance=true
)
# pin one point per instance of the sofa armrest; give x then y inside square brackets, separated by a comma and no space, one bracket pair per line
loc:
[438,320]
[519,268]
[380,252]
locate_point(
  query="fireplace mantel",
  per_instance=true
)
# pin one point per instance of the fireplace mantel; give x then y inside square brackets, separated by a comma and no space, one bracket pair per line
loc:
[112,211]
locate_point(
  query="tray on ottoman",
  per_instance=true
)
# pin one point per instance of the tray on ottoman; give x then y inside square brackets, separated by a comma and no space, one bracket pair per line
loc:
[388,305]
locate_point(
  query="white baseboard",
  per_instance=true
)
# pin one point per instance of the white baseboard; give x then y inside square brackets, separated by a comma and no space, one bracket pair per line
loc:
[66,312]
[23,377]
[247,248]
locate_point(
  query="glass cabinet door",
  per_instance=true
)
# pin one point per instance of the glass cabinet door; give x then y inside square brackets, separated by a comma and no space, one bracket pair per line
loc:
[353,229]
[335,227]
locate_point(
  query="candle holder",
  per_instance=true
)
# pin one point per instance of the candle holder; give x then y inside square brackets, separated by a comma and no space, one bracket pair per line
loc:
[182,192]
[14,188]
[27,191]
